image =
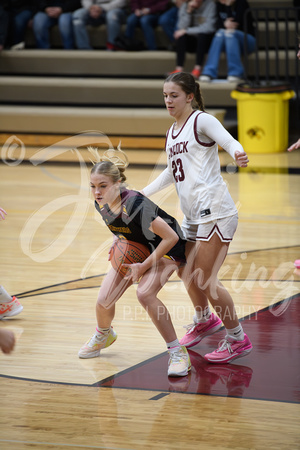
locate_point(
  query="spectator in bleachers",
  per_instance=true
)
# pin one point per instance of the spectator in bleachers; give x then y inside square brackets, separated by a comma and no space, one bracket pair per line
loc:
[54,12]
[15,16]
[145,14]
[168,20]
[230,38]
[113,13]
[196,26]
[22,11]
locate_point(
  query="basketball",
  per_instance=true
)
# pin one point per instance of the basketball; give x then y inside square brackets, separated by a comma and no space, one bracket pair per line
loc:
[127,252]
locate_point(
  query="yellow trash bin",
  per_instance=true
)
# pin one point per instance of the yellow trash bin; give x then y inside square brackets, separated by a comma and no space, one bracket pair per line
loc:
[263,117]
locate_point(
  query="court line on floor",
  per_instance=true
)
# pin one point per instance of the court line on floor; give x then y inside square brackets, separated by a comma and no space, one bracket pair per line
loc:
[41,291]
[100,383]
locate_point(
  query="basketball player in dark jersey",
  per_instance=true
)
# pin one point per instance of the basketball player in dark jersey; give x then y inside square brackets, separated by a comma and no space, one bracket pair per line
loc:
[130,215]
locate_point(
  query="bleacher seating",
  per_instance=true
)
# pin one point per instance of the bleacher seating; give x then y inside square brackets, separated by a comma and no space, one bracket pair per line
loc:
[119,93]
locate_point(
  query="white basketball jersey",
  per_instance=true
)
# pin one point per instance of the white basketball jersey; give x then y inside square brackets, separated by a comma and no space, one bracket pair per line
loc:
[194,162]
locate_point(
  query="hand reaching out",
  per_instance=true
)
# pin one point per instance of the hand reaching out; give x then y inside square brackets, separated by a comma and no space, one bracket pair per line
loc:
[241,159]
[294,146]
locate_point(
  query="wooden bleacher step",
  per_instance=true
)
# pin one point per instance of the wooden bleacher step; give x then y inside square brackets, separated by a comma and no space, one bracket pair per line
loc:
[99,91]
[114,64]
[110,121]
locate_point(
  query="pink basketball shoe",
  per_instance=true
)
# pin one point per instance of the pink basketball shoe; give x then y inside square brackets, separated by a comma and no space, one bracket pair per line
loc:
[197,331]
[229,349]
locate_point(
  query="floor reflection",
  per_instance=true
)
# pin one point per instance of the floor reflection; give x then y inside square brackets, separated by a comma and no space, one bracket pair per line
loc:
[269,372]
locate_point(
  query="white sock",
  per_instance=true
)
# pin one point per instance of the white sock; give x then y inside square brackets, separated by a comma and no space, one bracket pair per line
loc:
[4,296]
[203,315]
[173,345]
[236,333]
[102,331]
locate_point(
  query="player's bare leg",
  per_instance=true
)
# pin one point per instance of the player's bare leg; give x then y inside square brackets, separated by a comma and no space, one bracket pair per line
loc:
[151,283]
[201,278]
[111,290]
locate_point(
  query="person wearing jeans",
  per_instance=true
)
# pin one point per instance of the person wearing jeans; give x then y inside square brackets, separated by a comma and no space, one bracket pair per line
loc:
[168,20]
[95,13]
[230,38]
[145,14]
[20,23]
[15,15]
[54,12]
[196,26]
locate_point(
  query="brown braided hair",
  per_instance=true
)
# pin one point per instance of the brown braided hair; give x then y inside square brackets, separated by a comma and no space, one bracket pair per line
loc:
[189,85]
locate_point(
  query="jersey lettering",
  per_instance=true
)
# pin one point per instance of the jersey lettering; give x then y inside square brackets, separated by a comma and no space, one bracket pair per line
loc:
[176,149]
[119,229]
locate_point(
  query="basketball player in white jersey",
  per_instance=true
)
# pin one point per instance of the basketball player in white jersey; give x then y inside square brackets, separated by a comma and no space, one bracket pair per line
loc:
[210,215]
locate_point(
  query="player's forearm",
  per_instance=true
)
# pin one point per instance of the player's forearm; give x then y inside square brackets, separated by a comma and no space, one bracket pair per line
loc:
[162,181]
[161,250]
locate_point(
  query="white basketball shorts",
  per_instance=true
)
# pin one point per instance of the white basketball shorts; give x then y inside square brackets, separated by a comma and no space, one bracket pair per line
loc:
[225,228]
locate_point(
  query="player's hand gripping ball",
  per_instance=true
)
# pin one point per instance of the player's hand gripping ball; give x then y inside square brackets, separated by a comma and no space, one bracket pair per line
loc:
[127,252]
